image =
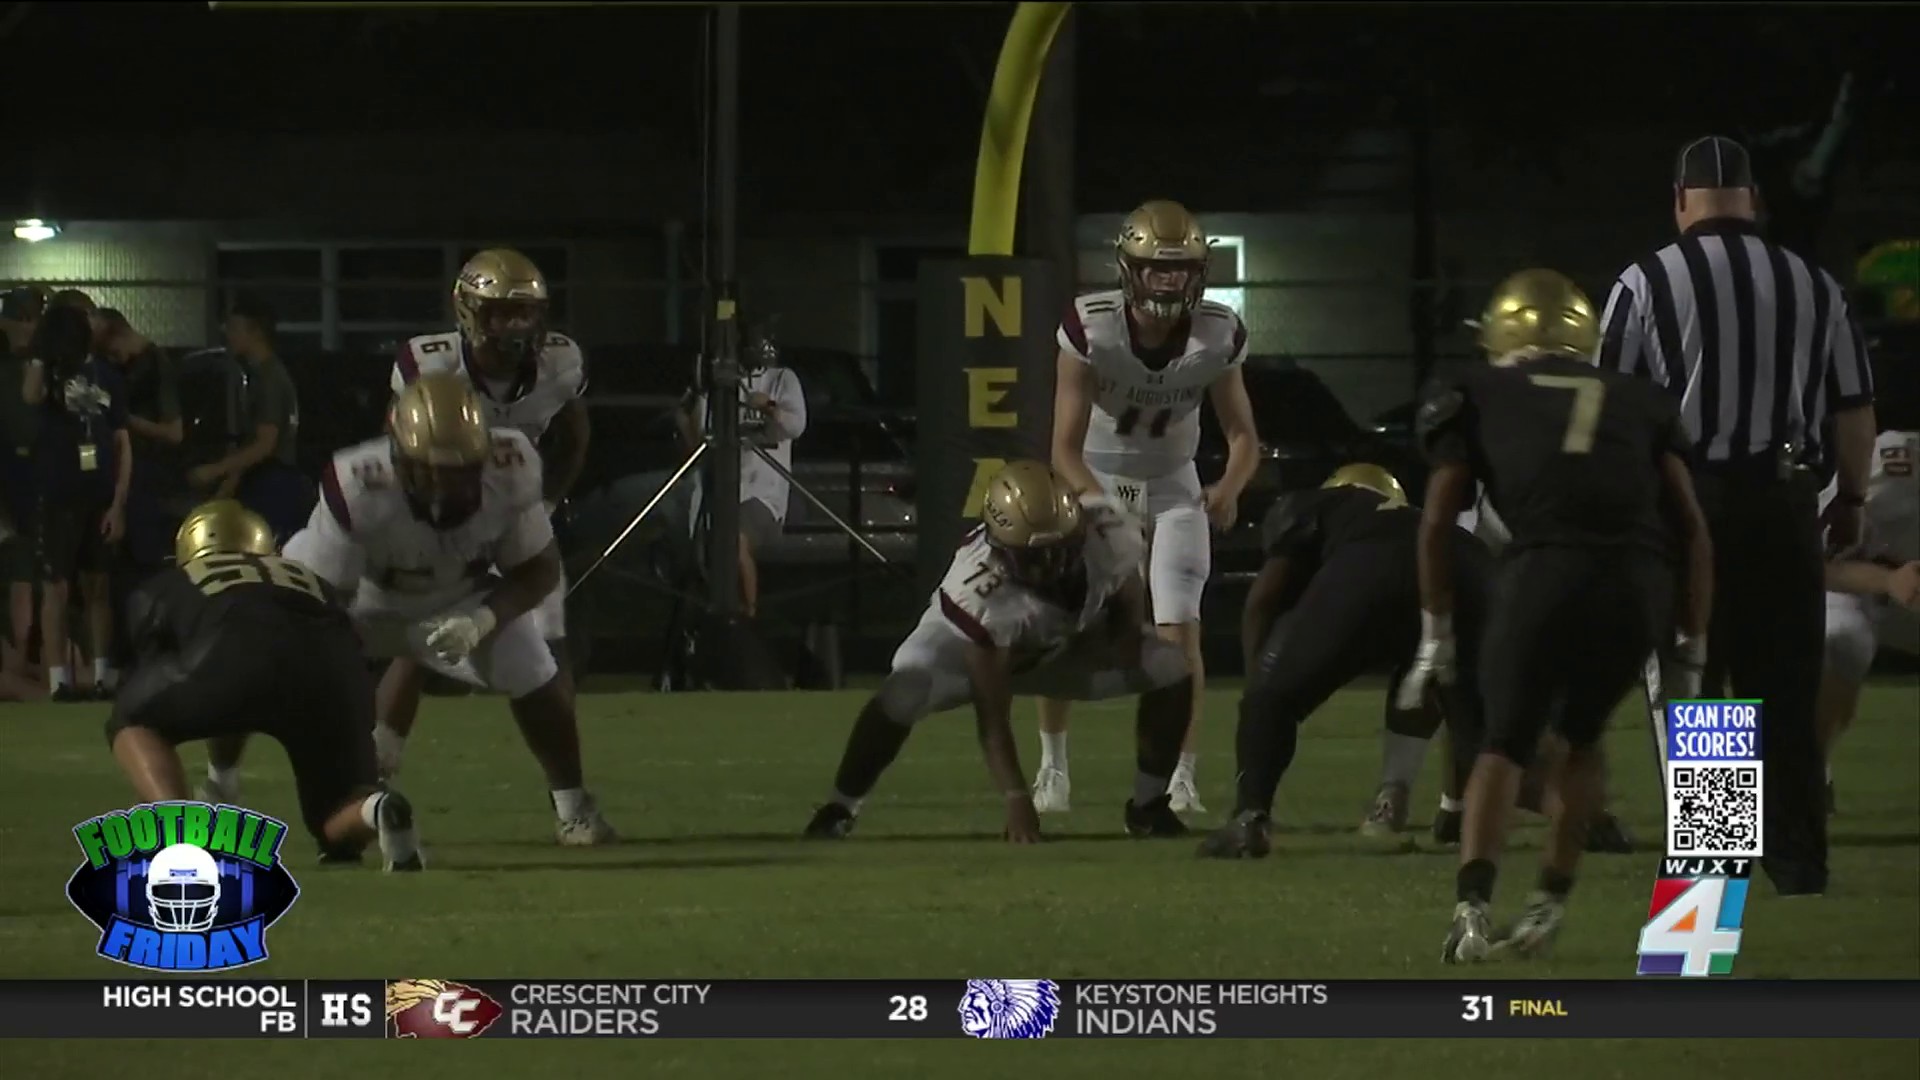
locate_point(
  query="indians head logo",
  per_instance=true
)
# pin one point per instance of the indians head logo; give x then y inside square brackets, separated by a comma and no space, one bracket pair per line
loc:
[1009,1008]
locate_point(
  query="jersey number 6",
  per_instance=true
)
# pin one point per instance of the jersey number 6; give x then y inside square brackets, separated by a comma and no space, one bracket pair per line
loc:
[1156,428]
[1588,396]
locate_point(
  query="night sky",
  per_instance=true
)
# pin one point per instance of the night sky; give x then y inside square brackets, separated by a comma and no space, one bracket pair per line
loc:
[884,91]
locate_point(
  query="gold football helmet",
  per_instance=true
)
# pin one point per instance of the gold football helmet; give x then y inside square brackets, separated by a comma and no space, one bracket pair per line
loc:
[1033,519]
[1371,477]
[441,444]
[500,300]
[1162,257]
[222,526]
[1539,311]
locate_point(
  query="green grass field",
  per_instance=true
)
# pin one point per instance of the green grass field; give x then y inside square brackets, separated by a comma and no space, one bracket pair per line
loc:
[711,790]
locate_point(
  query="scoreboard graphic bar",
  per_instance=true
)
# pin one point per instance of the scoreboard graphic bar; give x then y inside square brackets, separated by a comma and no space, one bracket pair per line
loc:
[991,1008]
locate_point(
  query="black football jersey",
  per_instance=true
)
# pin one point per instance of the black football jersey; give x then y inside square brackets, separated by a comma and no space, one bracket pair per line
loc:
[1308,526]
[178,605]
[1569,453]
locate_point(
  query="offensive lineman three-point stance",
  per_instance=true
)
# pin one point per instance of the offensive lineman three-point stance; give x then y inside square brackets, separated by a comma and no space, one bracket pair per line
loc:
[233,639]
[410,525]
[1044,598]
[1133,364]
[526,378]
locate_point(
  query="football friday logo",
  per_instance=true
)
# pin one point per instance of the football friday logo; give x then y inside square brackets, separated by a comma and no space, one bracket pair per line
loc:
[182,886]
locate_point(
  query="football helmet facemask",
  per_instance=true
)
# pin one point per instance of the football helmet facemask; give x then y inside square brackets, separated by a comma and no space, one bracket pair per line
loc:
[441,444]
[1162,257]
[500,301]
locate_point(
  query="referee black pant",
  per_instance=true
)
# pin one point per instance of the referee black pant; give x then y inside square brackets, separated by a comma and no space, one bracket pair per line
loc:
[1766,643]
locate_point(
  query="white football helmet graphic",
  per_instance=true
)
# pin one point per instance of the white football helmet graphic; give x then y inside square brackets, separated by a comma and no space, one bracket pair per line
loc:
[183,889]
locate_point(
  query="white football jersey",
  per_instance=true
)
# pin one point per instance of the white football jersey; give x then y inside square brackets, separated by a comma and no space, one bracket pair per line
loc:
[364,530]
[976,601]
[526,405]
[1893,497]
[1146,419]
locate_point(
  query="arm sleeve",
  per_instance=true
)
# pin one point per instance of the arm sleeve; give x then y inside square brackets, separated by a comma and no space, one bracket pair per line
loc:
[405,367]
[790,420]
[1849,373]
[1623,338]
[147,626]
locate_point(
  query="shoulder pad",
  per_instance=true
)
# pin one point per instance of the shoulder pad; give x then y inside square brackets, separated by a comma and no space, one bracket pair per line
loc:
[428,352]
[356,482]
[1439,410]
[564,362]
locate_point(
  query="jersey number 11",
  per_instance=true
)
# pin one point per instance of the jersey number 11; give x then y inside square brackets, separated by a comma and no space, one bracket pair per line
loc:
[1156,427]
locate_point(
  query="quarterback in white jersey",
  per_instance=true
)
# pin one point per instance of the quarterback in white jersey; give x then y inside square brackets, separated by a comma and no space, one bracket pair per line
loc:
[1134,365]
[411,525]
[1870,615]
[1044,598]
[526,379]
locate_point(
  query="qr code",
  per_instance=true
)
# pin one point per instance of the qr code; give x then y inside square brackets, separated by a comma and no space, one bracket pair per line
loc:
[1713,811]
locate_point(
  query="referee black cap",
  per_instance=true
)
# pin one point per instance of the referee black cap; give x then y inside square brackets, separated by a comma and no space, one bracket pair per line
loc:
[1713,161]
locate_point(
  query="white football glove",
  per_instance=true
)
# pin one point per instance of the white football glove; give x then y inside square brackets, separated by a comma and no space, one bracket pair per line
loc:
[452,638]
[1432,664]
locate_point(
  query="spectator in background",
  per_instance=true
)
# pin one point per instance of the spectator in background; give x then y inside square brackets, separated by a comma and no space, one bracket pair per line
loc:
[20,313]
[773,413]
[262,473]
[153,417]
[84,467]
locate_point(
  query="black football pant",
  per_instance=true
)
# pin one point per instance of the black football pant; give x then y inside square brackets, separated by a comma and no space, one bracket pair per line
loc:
[300,680]
[1569,631]
[1359,613]
[1766,642]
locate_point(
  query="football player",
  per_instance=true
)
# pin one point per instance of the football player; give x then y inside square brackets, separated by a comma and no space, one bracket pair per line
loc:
[1588,471]
[1338,596]
[1134,364]
[233,639]
[527,378]
[1859,624]
[411,524]
[1045,597]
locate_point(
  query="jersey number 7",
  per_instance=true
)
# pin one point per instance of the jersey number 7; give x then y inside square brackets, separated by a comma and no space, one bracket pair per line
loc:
[1588,396]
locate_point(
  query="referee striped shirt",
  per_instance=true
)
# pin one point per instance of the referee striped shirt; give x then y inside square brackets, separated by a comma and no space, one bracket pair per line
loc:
[1755,342]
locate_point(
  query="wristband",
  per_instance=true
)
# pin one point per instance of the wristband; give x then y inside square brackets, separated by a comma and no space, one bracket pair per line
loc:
[1847,499]
[1434,627]
[484,620]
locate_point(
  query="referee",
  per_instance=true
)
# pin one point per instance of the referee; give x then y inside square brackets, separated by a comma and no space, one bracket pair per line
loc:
[1758,346]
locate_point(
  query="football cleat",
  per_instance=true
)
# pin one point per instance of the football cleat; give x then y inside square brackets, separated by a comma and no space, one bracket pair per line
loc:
[399,847]
[586,830]
[1446,826]
[1469,940]
[67,693]
[1156,820]
[1182,796]
[1607,836]
[214,792]
[830,822]
[1533,935]
[1052,791]
[1389,813]
[1247,836]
